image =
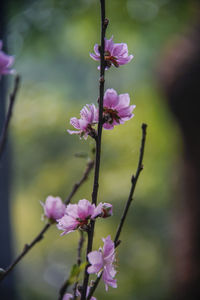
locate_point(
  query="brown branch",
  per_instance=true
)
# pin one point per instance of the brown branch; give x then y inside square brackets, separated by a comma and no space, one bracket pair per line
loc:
[66,284]
[79,260]
[40,236]
[76,186]
[104,24]
[26,249]
[133,181]
[128,203]
[9,115]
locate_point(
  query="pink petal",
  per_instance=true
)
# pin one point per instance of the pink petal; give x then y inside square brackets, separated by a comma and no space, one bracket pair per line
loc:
[85,209]
[124,101]
[109,44]
[117,49]
[97,211]
[72,210]
[73,131]
[108,126]
[110,99]
[108,248]
[67,224]
[96,49]
[124,60]
[108,280]
[75,123]
[95,258]
[67,297]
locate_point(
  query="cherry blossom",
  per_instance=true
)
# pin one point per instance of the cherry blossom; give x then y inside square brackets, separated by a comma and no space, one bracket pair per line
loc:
[53,208]
[115,54]
[6,62]
[89,117]
[116,109]
[78,215]
[103,261]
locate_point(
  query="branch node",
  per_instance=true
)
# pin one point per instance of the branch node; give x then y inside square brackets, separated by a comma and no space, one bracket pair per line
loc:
[132,178]
[102,80]
[117,243]
[106,22]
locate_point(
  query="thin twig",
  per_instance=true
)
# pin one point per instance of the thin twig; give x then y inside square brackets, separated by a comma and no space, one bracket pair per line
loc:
[76,186]
[26,249]
[133,181]
[80,247]
[79,260]
[128,203]
[9,115]
[66,284]
[40,236]
[104,24]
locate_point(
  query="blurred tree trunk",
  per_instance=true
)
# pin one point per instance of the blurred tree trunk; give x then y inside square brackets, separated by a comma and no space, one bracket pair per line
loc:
[7,287]
[180,78]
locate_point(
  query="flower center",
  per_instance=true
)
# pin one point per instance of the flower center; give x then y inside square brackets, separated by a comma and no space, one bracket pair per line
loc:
[110,115]
[82,222]
[110,59]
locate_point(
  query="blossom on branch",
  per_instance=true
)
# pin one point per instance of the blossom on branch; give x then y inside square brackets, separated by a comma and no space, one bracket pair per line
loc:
[78,215]
[116,109]
[6,62]
[53,208]
[103,261]
[115,54]
[89,117]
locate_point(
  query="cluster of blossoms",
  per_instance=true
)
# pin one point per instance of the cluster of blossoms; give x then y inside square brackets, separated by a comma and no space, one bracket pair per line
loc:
[6,61]
[74,216]
[116,108]
[78,215]
[116,111]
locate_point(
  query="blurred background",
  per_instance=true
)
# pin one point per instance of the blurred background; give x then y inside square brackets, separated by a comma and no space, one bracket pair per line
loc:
[51,41]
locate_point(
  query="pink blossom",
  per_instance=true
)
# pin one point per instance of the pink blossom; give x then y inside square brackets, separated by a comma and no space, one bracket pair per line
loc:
[115,54]
[116,109]
[53,208]
[103,261]
[6,62]
[76,215]
[89,117]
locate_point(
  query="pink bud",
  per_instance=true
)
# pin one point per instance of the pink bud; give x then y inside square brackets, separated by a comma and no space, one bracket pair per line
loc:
[53,208]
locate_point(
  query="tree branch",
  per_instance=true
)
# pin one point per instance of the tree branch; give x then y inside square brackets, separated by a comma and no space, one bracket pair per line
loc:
[128,203]
[76,186]
[104,24]
[9,115]
[65,285]
[40,236]
[133,181]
